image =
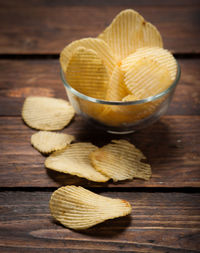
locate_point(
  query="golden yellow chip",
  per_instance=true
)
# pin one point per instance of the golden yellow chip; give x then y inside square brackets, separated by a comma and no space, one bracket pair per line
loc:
[150,36]
[147,78]
[78,208]
[46,142]
[130,97]
[116,87]
[99,46]
[120,160]
[162,56]
[46,113]
[87,73]
[123,35]
[75,160]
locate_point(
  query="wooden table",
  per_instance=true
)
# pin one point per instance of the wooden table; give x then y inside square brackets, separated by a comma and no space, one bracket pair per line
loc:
[166,209]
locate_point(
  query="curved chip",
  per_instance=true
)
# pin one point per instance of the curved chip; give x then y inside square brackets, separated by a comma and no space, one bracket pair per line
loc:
[46,113]
[150,36]
[124,33]
[130,97]
[120,160]
[147,78]
[78,208]
[162,56]
[116,87]
[74,160]
[98,45]
[87,73]
[46,142]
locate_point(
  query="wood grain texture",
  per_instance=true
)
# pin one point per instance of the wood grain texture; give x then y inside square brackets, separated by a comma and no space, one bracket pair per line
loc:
[160,222]
[20,79]
[43,27]
[172,146]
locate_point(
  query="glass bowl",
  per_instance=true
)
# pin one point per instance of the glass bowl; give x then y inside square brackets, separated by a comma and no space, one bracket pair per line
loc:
[121,117]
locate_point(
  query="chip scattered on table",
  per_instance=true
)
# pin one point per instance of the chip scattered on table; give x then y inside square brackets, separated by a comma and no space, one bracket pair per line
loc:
[47,142]
[78,208]
[46,113]
[120,160]
[75,160]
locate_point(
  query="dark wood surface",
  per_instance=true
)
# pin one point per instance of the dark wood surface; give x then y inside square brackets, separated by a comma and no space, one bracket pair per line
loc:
[43,27]
[171,145]
[160,222]
[166,209]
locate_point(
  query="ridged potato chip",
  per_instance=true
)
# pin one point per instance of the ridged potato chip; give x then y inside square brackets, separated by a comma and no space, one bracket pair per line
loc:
[116,87]
[46,113]
[99,46]
[130,97]
[46,142]
[87,73]
[128,32]
[147,78]
[162,56]
[78,208]
[120,160]
[75,160]
[150,36]
[124,33]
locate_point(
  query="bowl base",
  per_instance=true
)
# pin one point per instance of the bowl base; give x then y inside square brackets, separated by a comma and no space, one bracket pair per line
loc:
[121,132]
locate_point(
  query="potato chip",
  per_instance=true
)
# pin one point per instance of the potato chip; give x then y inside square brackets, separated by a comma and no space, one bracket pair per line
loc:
[46,142]
[123,35]
[120,160]
[130,97]
[87,73]
[99,46]
[162,56]
[78,208]
[147,78]
[150,36]
[75,160]
[116,87]
[46,113]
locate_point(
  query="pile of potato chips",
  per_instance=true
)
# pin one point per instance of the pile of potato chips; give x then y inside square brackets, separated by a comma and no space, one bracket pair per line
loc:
[76,207]
[126,62]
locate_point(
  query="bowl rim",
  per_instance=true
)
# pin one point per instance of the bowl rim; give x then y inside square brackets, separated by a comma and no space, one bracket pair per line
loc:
[122,103]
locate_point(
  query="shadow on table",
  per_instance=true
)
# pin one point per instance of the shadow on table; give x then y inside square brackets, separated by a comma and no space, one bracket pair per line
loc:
[158,143]
[110,228]
[66,179]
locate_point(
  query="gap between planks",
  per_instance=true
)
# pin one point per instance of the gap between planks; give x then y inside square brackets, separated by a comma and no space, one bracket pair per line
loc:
[113,189]
[56,56]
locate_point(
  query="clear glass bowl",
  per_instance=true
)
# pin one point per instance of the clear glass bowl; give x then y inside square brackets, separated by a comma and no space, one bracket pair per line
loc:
[121,117]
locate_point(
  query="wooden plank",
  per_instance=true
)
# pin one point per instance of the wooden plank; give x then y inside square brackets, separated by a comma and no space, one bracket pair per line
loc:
[19,79]
[160,222]
[172,146]
[40,27]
